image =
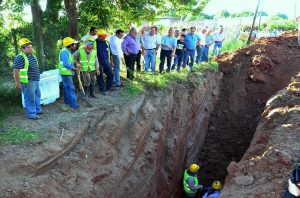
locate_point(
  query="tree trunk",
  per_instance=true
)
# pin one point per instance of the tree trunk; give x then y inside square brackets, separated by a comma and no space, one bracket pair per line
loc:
[15,40]
[71,9]
[37,30]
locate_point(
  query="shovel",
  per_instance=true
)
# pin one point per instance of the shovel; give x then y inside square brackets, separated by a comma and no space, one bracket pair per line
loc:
[82,90]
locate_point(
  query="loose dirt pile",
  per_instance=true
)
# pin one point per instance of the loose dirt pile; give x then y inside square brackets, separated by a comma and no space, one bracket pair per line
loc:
[251,76]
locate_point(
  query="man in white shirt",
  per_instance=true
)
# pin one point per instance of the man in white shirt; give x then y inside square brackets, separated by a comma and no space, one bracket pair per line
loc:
[219,37]
[93,33]
[116,53]
[201,45]
[150,46]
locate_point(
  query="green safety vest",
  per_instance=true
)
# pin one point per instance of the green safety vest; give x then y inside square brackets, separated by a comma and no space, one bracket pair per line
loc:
[62,69]
[87,65]
[24,72]
[185,184]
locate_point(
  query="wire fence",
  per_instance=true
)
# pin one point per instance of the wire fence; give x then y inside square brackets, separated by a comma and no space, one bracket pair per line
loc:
[6,69]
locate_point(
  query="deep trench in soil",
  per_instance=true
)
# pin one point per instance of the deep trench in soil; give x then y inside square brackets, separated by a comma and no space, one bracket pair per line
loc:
[234,120]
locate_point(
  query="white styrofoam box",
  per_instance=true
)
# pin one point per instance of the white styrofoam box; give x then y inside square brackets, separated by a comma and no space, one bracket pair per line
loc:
[49,86]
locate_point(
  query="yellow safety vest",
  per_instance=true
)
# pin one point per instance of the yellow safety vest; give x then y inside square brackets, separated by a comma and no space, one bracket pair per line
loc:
[87,65]
[62,69]
[24,72]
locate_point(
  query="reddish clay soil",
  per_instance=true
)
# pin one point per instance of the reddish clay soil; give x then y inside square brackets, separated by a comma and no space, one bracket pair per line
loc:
[251,76]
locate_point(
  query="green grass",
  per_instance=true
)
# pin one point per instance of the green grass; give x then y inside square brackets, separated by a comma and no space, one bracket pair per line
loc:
[163,81]
[10,102]
[230,45]
[19,136]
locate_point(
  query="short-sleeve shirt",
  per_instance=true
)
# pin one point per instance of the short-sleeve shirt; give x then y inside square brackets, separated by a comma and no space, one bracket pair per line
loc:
[180,48]
[150,42]
[171,41]
[33,68]
[219,37]
[191,40]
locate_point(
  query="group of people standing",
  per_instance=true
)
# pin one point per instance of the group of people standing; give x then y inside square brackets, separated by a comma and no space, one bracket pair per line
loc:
[97,59]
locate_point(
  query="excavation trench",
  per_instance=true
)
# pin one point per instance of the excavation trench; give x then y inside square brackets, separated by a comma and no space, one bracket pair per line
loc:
[140,148]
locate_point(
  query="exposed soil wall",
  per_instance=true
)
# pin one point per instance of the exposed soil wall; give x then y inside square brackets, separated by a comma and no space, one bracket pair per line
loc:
[263,170]
[251,76]
[138,149]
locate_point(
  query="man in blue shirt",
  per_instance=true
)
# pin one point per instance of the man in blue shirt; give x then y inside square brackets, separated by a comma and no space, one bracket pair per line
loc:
[168,47]
[66,70]
[209,40]
[27,76]
[105,61]
[213,191]
[191,40]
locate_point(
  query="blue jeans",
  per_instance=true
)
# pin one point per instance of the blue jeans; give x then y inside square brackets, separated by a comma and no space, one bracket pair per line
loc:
[200,52]
[105,68]
[116,69]
[175,62]
[191,54]
[69,91]
[150,57]
[218,44]
[205,54]
[32,98]
[179,59]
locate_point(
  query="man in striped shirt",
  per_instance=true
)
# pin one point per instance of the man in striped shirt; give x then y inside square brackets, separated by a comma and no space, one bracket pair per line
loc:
[27,76]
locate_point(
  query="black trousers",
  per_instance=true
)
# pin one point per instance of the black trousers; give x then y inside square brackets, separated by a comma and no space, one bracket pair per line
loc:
[163,55]
[138,61]
[129,61]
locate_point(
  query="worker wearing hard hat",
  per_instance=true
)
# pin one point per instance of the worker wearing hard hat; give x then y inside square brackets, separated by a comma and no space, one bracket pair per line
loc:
[190,181]
[86,58]
[27,76]
[105,61]
[213,191]
[66,70]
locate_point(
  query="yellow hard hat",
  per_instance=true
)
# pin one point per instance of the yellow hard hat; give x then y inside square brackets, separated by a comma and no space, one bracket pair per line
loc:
[69,41]
[217,185]
[102,33]
[194,168]
[24,41]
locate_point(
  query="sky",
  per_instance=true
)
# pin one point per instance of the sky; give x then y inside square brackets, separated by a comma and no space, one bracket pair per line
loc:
[270,6]
[233,6]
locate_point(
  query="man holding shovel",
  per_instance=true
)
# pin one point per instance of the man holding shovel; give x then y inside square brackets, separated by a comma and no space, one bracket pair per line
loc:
[86,58]
[66,68]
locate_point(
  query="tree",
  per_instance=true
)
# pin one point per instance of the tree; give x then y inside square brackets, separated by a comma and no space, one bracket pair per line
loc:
[282,15]
[37,29]
[72,14]
[262,13]
[225,13]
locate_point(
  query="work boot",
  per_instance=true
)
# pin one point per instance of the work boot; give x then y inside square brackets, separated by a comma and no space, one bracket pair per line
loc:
[92,91]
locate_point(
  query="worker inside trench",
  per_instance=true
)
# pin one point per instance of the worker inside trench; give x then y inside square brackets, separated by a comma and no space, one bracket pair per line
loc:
[229,133]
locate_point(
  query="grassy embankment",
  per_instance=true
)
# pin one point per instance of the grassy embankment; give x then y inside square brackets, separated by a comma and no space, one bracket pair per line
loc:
[10,103]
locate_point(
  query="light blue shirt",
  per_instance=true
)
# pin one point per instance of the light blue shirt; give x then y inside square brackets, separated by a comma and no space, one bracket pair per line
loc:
[191,40]
[209,39]
[170,41]
[138,39]
[150,42]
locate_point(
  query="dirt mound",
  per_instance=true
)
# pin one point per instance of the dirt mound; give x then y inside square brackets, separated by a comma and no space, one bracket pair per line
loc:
[251,76]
